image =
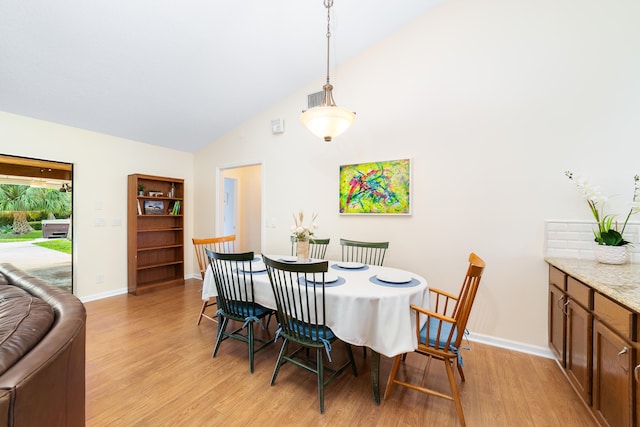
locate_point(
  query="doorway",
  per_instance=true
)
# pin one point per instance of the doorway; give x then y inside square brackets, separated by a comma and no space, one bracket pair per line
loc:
[37,220]
[239,204]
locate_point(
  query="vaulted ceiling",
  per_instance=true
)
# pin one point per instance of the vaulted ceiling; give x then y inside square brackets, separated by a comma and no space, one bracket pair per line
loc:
[176,73]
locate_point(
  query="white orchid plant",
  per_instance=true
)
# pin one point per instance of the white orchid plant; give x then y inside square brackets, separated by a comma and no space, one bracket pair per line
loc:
[607,232]
[301,231]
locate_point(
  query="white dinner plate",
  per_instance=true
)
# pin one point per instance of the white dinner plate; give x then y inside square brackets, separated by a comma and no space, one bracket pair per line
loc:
[256,266]
[394,277]
[350,264]
[289,258]
[329,277]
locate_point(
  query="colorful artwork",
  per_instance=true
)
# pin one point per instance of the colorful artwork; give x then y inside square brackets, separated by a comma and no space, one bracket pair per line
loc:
[376,188]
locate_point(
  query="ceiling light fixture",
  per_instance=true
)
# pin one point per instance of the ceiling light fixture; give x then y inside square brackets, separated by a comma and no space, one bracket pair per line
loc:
[327,120]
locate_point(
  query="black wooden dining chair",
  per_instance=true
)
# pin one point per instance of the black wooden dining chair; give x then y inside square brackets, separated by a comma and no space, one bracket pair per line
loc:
[371,253]
[232,274]
[317,247]
[299,291]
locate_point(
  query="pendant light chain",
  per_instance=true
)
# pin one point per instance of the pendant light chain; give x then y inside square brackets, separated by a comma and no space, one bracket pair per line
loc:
[328,4]
[327,120]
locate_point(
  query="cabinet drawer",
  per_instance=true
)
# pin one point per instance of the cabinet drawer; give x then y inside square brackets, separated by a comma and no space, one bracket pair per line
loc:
[616,316]
[557,278]
[580,293]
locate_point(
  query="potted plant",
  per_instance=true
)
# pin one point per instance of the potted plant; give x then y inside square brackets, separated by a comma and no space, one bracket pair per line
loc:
[611,246]
[302,234]
[140,190]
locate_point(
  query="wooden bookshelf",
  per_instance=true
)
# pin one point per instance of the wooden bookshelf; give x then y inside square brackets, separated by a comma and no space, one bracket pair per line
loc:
[155,234]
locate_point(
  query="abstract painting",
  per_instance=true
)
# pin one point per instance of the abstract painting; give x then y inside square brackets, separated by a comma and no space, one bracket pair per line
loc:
[376,188]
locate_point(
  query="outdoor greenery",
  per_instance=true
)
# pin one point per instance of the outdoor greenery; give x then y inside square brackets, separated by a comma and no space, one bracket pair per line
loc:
[62,245]
[22,201]
[11,237]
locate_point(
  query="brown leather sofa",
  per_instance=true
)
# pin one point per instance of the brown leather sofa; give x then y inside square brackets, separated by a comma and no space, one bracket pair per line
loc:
[42,353]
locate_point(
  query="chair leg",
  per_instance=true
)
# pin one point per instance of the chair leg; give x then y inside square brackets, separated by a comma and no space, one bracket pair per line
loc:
[392,376]
[250,339]
[460,371]
[351,359]
[279,362]
[222,327]
[202,314]
[454,391]
[320,368]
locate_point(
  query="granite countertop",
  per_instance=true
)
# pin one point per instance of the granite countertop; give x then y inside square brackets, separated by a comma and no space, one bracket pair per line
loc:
[619,282]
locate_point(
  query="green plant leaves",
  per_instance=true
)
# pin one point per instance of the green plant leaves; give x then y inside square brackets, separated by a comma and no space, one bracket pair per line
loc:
[611,238]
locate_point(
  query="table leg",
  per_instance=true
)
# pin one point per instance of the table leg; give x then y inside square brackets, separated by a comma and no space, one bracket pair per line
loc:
[375,375]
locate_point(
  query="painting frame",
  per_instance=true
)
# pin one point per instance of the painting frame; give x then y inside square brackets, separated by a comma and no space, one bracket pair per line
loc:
[154,207]
[376,188]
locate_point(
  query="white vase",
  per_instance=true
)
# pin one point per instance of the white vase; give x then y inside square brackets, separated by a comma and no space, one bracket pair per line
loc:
[611,254]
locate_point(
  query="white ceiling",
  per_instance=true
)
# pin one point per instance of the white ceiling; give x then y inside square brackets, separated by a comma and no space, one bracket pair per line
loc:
[176,73]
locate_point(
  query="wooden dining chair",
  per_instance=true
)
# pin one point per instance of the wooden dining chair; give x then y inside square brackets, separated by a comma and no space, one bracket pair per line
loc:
[371,253]
[442,333]
[317,247]
[233,276]
[223,244]
[298,289]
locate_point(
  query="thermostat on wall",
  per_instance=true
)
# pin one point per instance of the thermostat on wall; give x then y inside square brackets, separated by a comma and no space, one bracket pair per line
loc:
[277,126]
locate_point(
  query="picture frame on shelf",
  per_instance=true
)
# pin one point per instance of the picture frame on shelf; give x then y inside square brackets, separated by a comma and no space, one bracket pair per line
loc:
[153,207]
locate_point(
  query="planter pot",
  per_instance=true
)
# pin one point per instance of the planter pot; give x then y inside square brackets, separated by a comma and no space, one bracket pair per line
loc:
[611,254]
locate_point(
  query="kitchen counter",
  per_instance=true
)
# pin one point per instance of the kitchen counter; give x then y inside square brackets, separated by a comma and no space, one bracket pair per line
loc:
[621,283]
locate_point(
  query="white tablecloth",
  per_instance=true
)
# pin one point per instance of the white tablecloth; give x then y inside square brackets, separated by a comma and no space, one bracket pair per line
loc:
[359,311]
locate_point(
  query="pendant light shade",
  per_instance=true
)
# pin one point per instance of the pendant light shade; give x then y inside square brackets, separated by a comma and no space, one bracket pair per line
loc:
[327,120]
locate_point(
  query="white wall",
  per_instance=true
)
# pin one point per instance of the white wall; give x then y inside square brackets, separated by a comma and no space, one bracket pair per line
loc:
[101,165]
[493,101]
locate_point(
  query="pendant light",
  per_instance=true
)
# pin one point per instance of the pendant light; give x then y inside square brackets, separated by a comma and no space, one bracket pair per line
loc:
[327,120]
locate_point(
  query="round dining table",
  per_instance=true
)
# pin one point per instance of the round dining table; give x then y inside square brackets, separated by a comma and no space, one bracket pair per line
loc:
[366,305]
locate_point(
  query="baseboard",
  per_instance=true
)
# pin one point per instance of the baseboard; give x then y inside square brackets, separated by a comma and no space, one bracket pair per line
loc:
[104,295]
[511,345]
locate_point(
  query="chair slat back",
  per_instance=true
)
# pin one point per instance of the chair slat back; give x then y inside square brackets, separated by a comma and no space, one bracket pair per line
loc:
[371,253]
[298,289]
[317,247]
[232,274]
[223,244]
[446,328]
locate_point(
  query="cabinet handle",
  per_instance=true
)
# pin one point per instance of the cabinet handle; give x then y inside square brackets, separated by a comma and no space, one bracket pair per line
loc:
[623,351]
[564,308]
[636,371]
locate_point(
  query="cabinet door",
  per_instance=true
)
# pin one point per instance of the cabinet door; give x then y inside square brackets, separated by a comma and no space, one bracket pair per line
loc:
[636,376]
[612,377]
[579,349]
[557,323]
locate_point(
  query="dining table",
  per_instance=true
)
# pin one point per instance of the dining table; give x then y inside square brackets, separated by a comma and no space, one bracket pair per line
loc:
[366,305]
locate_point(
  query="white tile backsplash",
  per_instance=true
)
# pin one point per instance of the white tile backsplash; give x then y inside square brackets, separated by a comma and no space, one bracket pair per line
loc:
[574,239]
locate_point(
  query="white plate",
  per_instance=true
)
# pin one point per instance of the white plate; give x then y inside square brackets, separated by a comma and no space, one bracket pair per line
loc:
[289,258]
[350,264]
[328,277]
[256,266]
[394,277]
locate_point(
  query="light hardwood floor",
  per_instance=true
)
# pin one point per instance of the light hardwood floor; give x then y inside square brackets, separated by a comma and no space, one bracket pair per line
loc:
[148,364]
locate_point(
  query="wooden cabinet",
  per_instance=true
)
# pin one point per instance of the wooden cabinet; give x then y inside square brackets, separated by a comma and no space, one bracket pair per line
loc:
[579,337]
[614,355]
[595,340]
[155,235]
[557,314]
